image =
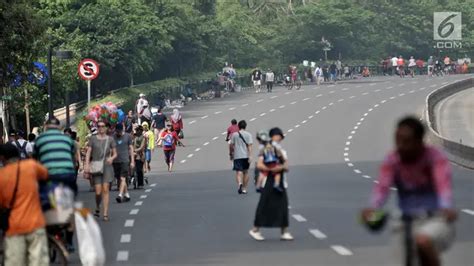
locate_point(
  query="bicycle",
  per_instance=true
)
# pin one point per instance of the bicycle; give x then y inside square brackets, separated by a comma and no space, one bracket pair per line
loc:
[58,254]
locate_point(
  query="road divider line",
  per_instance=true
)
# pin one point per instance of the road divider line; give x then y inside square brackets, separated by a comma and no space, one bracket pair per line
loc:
[350,165]
[366,176]
[192,122]
[467,211]
[122,255]
[218,112]
[357,171]
[153,185]
[305,99]
[341,250]
[148,190]
[139,203]
[214,138]
[190,155]
[245,104]
[197,149]
[232,108]
[319,95]
[125,238]
[143,196]
[134,211]
[204,117]
[304,121]
[281,106]
[263,114]
[272,110]
[293,102]
[183,161]
[252,119]
[205,143]
[129,223]
[299,218]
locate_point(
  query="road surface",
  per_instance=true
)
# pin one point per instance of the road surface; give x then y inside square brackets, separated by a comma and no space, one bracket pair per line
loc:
[336,138]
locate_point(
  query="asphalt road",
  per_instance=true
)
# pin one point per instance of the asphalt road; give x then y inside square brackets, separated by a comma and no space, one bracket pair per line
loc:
[336,137]
[455,117]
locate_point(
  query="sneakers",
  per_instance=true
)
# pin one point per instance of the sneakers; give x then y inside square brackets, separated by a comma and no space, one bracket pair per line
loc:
[126,199]
[244,191]
[286,237]
[119,199]
[240,189]
[256,235]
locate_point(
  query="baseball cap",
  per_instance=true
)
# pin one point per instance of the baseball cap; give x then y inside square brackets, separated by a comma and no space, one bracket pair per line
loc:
[276,131]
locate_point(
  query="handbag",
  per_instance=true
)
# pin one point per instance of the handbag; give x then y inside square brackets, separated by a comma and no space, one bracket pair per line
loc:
[5,212]
[181,134]
[97,167]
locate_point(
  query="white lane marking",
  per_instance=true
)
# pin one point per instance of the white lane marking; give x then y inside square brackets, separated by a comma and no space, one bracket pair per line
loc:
[134,211]
[372,84]
[292,102]
[346,148]
[290,130]
[319,95]
[122,255]
[383,101]
[143,196]
[366,176]
[434,85]
[358,86]
[422,88]
[272,110]
[125,238]
[330,104]
[310,117]
[340,100]
[414,82]
[370,110]
[297,126]
[129,223]
[376,105]
[352,97]
[139,203]
[214,138]
[391,98]
[467,211]
[273,97]
[401,85]
[252,119]
[317,112]
[401,94]
[353,132]
[412,91]
[350,164]
[299,218]
[224,133]
[218,112]
[347,159]
[377,90]
[148,190]
[444,83]
[259,100]
[204,117]
[324,107]
[245,104]
[346,154]
[362,119]
[331,86]
[358,123]
[357,171]
[192,122]
[388,88]
[345,89]
[205,144]
[356,127]
[318,234]
[281,106]
[190,155]
[183,161]
[153,185]
[393,188]
[365,93]
[376,181]
[232,108]
[331,92]
[197,149]
[305,99]
[366,114]
[304,121]
[263,114]
[350,137]
[288,92]
[341,250]
[348,143]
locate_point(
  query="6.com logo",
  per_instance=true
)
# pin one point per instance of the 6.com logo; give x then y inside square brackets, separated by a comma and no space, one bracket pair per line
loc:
[447,29]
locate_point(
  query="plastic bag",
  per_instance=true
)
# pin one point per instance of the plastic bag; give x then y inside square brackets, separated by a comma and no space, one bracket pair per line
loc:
[89,237]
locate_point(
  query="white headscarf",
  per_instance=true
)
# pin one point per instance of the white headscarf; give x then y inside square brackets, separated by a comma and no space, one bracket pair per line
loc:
[176,116]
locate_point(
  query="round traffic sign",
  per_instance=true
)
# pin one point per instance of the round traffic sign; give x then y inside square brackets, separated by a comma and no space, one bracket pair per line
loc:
[88,69]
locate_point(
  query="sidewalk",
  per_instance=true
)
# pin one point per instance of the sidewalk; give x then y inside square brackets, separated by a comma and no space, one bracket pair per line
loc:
[455,117]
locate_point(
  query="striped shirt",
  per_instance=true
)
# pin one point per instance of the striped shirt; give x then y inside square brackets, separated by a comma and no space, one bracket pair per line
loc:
[56,152]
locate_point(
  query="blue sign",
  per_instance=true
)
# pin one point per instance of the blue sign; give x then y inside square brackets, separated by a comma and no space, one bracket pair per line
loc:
[39,74]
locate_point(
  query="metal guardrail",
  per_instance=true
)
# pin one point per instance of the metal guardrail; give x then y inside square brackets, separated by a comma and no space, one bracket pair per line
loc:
[458,153]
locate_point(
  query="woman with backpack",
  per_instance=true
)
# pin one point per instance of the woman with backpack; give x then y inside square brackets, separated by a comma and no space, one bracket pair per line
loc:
[168,140]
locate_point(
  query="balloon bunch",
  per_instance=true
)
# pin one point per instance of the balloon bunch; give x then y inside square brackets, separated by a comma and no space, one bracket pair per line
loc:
[107,112]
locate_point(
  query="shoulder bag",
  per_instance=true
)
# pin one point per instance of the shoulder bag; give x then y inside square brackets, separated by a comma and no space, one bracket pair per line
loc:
[97,167]
[5,212]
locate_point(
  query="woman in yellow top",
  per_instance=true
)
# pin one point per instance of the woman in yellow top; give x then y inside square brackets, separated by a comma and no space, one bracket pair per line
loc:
[150,146]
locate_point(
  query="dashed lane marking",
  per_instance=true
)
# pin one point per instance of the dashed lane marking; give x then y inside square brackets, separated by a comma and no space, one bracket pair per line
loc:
[204,117]
[324,107]
[297,126]
[377,90]
[273,97]
[232,108]
[214,138]
[299,218]
[318,234]
[183,161]
[340,100]
[153,185]
[352,97]
[190,155]
[218,112]
[331,104]
[341,250]
[331,92]
[260,100]
[365,93]
[305,99]
[281,106]
[263,114]
[366,176]
[345,89]
[148,190]
[224,133]
[122,255]
[245,104]
[288,92]
[129,223]
[205,143]
[348,143]
[317,112]
[357,171]
[134,211]
[350,164]
[467,211]
[139,203]
[252,119]
[192,122]
[310,117]
[197,149]
[125,238]
[143,196]
[290,130]
[376,181]
[319,95]
[293,102]
[272,110]
[304,121]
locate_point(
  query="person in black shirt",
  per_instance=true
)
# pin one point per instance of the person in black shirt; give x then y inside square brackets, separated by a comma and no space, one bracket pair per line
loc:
[158,122]
[129,122]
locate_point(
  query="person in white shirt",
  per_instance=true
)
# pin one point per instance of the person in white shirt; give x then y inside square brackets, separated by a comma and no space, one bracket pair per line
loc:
[143,110]
[269,79]
[411,66]
[318,74]
[394,62]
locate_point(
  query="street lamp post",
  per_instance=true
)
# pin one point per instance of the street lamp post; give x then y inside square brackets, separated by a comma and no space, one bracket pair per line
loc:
[60,55]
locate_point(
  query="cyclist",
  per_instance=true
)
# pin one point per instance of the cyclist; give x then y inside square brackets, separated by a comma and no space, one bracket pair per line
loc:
[411,66]
[422,176]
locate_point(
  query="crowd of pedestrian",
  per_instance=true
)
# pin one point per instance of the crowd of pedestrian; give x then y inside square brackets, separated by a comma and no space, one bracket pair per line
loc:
[433,66]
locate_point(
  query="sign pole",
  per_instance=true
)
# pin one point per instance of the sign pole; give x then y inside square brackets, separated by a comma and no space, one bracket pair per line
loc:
[88,93]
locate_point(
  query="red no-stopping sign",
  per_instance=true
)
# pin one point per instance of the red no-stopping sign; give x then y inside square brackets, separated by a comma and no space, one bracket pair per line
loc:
[88,69]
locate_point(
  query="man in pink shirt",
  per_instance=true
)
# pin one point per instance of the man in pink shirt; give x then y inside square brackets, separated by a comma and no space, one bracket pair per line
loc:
[232,129]
[422,176]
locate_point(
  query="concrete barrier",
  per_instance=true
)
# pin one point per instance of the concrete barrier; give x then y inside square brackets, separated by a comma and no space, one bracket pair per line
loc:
[458,153]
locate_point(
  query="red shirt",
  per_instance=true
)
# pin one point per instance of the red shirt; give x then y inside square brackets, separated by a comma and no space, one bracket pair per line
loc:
[175,140]
[177,125]
[231,130]
[419,63]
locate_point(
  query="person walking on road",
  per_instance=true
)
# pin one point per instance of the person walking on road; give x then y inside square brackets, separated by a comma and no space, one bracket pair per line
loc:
[422,176]
[257,80]
[124,162]
[101,153]
[168,140]
[25,241]
[159,122]
[231,129]
[272,208]
[240,148]
[318,75]
[139,146]
[143,109]
[333,72]
[150,146]
[394,64]
[177,123]
[269,79]
[130,122]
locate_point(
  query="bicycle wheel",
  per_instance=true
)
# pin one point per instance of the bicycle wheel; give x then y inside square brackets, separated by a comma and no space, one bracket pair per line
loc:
[58,254]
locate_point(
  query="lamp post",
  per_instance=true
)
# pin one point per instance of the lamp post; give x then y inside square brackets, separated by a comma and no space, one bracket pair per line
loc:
[60,55]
